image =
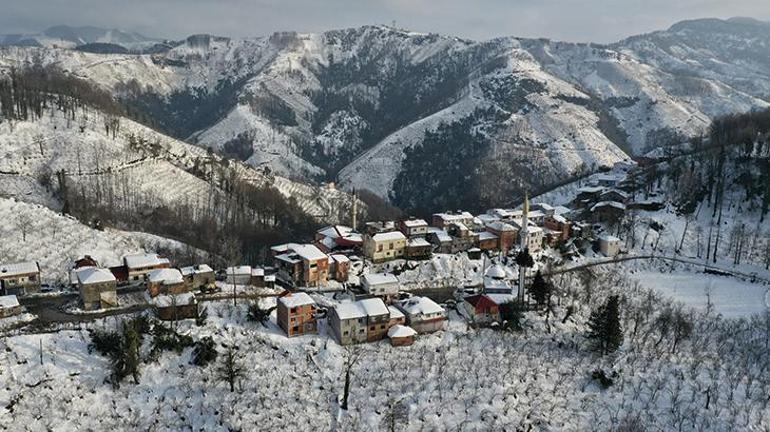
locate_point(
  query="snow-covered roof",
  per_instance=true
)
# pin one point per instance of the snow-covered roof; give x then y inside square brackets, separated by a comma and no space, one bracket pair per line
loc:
[561,210]
[349,310]
[395,313]
[486,235]
[296,299]
[144,260]
[379,279]
[417,242]
[374,307]
[399,331]
[269,278]
[451,217]
[441,235]
[8,301]
[92,275]
[460,226]
[389,236]
[16,269]
[608,238]
[500,226]
[614,204]
[332,232]
[420,306]
[168,300]
[487,218]
[501,298]
[496,272]
[308,252]
[196,269]
[415,223]
[534,229]
[166,276]
[290,258]
[559,218]
[616,192]
[339,258]
[238,270]
[544,206]
[590,189]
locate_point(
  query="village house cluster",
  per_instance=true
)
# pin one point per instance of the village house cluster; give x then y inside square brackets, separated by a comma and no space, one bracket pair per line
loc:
[376,307]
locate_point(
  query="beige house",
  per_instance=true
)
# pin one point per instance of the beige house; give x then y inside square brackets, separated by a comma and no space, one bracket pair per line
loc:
[166,281]
[20,278]
[138,265]
[97,288]
[380,284]
[198,277]
[9,306]
[385,246]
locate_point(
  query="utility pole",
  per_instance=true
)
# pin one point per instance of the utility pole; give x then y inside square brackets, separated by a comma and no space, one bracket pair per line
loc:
[355,210]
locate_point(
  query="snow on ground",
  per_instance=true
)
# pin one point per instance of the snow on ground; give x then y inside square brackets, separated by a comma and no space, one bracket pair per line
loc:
[729,296]
[55,241]
[457,379]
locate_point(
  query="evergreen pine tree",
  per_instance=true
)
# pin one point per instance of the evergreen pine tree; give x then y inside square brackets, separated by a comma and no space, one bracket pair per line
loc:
[604,326]
[131,358]
[540,289]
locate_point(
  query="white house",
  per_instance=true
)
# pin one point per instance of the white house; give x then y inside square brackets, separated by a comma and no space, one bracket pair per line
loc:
[380,284]
[609,245]
[423,314]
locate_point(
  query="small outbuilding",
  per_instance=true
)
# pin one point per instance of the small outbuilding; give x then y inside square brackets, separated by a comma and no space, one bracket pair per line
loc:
[401,335]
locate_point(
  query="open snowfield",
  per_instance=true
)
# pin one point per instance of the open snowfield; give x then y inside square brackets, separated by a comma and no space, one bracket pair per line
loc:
[459,379]
[730,297]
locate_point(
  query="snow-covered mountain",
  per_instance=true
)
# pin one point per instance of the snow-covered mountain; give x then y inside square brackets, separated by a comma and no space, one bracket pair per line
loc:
[72,37]
[418,117]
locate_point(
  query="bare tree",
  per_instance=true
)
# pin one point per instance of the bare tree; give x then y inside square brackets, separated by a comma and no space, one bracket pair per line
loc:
[352,356]
[230,369]
[23,224]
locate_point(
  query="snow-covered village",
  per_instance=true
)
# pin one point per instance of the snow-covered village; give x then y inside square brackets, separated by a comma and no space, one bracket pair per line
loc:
[378,228]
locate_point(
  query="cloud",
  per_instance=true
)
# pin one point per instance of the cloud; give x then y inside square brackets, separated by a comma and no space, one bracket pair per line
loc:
[573,20]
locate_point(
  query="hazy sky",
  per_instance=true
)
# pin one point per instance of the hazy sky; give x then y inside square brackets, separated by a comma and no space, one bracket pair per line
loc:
[573,20]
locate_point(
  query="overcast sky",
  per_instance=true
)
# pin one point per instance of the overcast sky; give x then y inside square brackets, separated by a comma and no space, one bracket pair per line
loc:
[572,20]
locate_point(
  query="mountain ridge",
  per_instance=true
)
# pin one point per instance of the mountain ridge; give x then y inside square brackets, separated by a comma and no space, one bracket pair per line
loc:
[347,105]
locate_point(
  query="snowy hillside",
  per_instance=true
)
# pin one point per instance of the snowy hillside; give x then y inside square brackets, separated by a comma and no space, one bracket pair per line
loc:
[161,169]
[355,105]
[56,241]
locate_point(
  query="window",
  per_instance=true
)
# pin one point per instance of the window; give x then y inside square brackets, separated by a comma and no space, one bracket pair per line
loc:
[295,329]
[293,310]
[372,328]
[345,333]
[382,326]
[379,248]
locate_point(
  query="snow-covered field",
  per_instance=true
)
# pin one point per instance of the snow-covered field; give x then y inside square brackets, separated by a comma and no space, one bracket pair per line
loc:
[56,241]
[457,379]
[729,296]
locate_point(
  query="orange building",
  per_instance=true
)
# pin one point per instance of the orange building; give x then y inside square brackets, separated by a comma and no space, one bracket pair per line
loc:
[296,314]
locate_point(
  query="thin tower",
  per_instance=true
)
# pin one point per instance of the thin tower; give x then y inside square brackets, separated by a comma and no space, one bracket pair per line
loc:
[354,218]
[523,244]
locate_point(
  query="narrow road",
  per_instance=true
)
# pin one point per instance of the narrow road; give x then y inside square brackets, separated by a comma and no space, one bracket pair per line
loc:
[690,261]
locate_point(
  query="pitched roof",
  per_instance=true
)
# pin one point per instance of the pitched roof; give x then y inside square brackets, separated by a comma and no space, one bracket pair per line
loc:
[486,235]
[389,236]
[417,242]
[374,306]
[613,204]
[379,278]
[144,260]
[91,275]
[415,223]
[166,276]
[238,270]
[195,269]
[168,300]
[608,238]
[395,313]
[8,301]
[420,306]
[349,310]
[479,300]
[308,252]
[398,331]
[296,299]
[16,269]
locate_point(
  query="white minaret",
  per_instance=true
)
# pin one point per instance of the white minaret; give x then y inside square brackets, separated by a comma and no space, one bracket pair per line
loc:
[523,244]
